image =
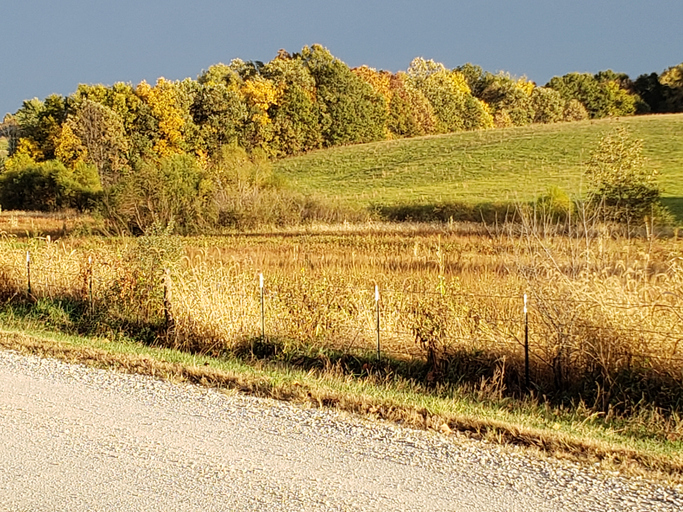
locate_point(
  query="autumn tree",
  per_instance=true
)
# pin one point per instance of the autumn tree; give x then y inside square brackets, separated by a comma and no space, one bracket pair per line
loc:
[165,103]
[672,81]
[296,116]
[260,95]
[39,124]
[410,112]
[509,98]
[449,94]
[623,185]
[350,110]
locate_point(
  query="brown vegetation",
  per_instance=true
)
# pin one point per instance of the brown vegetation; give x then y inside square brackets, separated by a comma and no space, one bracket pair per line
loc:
[604,309]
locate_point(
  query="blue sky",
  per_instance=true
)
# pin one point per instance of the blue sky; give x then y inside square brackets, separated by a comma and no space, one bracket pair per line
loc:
[50,46]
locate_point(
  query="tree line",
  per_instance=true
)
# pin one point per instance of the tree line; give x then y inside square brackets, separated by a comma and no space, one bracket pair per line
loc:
[183,147]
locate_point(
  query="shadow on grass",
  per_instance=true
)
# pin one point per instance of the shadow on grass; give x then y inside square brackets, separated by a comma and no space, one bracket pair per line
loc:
[489,213]
[675,207]
[485,374]
[462,368]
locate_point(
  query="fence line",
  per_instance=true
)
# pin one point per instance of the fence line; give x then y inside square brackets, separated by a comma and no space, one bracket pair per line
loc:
[36,278]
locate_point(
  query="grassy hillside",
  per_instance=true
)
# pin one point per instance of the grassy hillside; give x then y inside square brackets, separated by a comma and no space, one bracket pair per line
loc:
[477,167]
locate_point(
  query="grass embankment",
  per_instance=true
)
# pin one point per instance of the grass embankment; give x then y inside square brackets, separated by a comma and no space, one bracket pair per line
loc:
[605,370]
[575,435]
[484,167]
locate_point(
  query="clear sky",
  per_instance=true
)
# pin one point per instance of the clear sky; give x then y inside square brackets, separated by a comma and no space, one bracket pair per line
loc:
[50,46]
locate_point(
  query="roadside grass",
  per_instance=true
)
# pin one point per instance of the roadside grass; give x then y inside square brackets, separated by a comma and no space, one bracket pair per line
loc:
[502,166]
[575,434]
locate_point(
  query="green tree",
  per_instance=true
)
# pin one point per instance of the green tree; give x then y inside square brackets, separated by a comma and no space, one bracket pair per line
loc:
[605,94]
[653,93]
[100,131]
[296,125]
[475,76]
[219,112]
[350,110]
[547,104]
[623,185]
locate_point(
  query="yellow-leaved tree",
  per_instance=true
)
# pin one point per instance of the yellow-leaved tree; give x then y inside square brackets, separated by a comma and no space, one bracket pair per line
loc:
[164,102]
[450,96]
[260,95]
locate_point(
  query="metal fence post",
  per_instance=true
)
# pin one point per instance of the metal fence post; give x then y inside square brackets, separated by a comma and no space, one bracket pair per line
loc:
[379,353]
[90,280]
[28,272]
[526,344]
[263,310]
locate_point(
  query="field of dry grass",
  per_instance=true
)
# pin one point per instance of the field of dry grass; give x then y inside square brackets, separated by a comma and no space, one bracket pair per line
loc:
[604,310]
[25,224]
[604,320]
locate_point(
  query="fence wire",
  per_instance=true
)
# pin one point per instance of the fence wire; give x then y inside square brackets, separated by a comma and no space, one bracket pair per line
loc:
[46,281]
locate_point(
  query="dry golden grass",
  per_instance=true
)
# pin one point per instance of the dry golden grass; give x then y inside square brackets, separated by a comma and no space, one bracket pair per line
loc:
[604,310]
[39,224]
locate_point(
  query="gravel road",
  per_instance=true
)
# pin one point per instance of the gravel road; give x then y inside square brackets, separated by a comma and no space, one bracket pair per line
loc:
[77,438]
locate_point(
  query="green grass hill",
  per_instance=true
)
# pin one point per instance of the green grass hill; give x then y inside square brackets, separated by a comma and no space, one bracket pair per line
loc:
[490,166]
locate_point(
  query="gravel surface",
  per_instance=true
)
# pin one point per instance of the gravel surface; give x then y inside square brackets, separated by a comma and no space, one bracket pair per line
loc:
[77,438]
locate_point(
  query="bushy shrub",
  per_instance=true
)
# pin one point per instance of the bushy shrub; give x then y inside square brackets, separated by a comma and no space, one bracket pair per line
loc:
[171,191]
[575,111]
[624,186]
[555,205]
[48,186]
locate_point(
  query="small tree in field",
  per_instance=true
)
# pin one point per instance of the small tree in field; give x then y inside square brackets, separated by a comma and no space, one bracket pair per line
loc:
[622,183]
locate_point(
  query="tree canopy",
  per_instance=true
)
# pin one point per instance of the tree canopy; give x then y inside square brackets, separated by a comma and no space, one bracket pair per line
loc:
[112,135]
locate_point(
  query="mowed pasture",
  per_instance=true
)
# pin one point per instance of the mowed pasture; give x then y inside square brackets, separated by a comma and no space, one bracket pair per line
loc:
[490,166]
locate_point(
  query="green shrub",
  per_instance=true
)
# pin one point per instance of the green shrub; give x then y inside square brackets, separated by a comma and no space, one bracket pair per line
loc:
[49,186]
[624,187]
[171,191]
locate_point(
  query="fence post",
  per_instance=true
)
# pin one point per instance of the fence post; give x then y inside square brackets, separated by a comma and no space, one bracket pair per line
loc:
[168,314]
[28,272]
[378,335]
[263,310]
[526,344]
[90,280]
